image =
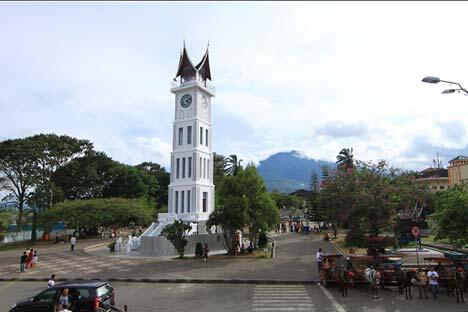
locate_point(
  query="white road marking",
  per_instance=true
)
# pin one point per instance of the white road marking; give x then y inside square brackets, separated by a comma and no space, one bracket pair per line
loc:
[281,298]
[338,307]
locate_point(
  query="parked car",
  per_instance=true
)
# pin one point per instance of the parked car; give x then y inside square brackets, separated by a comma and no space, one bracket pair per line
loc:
[84,296]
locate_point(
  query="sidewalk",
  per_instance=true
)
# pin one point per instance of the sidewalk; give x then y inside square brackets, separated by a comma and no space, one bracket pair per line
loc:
[294,263]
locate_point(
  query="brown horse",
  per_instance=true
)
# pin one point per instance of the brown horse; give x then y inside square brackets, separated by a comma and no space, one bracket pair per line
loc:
[405,279]
[455,281]
[344,278]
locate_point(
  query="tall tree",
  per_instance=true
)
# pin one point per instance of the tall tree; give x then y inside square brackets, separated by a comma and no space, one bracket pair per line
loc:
[450,219]
[162,179]
[53,152]
[18,172]
[313,211]
[218,167]
[232,165]
[345,159]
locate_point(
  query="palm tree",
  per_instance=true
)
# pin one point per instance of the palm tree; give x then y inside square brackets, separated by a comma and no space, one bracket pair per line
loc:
[232,165]
[345,159]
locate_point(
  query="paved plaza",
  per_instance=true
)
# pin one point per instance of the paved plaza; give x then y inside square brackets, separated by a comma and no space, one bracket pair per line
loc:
[294,265]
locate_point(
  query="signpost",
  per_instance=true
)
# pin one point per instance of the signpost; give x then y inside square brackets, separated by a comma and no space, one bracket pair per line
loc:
[415,231]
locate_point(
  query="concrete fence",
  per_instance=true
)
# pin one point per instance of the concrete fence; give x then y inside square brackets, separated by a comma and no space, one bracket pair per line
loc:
[160,246]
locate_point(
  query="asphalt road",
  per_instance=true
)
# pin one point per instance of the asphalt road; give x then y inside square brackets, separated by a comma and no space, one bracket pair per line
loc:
[143,297]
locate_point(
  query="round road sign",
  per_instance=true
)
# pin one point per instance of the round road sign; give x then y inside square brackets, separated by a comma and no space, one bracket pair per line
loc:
[415,231]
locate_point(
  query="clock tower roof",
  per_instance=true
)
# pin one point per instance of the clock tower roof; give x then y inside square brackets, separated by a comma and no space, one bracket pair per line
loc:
[188,71]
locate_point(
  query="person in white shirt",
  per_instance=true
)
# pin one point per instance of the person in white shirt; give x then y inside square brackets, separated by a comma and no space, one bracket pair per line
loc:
[319,258]
[73,243]
[433,282]
[51,282]
[63,299]
[63,308]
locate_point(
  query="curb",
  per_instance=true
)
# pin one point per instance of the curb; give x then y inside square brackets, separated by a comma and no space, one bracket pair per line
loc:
[168,281]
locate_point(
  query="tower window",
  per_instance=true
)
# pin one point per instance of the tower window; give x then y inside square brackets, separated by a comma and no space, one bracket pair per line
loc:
[205,199]
[201,171]
[181,136]
[190,167]
[206,137]
[204,167]
[188,201]
[183,168]
[177,167]
[182,197]
[207,168]
[176,206]
[201,135]
[189,135]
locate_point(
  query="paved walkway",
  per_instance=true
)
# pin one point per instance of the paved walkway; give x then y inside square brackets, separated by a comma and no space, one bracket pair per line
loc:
[294,261]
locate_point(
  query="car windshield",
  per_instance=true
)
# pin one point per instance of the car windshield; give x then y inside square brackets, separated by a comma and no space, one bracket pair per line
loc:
[105,290]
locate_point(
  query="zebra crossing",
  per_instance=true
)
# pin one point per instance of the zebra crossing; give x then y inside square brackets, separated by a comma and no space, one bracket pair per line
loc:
[282,298]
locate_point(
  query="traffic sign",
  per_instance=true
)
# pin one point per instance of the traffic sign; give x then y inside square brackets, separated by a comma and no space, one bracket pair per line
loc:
[415,231]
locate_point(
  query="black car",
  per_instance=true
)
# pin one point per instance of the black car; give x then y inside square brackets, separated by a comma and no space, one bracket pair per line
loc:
[84,296]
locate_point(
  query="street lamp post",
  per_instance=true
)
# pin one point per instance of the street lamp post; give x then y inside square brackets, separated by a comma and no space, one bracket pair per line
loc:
[431,79]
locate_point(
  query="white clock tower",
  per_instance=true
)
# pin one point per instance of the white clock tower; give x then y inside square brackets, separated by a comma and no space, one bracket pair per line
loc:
[191,189]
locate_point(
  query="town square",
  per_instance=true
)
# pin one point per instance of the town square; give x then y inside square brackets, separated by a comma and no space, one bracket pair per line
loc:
[233,156]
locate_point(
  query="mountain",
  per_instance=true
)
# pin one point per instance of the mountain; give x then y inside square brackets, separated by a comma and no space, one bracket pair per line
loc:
[289,171]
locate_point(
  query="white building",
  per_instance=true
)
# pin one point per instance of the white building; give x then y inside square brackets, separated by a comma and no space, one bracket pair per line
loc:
[191,189]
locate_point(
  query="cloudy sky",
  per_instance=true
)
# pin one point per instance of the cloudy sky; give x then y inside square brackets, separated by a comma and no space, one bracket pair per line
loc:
[313,77]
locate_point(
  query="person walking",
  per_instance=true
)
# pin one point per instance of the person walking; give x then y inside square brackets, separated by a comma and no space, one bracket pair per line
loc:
[319,258]
[433,282]
[23,261]
[205,252]
[51,282]
[72,243]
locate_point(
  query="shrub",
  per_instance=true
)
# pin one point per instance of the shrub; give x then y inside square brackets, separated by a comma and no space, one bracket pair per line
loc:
[355,237]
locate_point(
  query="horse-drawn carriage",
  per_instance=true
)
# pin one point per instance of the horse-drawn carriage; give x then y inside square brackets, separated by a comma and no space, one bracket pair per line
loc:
[388,266]
[330,264]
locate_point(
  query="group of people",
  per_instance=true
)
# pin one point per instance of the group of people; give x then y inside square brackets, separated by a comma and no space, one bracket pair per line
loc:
[240,249]
[28,260]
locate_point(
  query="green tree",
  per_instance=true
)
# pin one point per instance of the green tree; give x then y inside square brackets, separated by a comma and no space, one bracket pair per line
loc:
[232,165]
[5,219]
[345,159]
[127,183]
[450,219]
[18,174]
[218,167]
[176,233]
[85,177]
[314,212]
[162,180]
[242,200]
[98,212]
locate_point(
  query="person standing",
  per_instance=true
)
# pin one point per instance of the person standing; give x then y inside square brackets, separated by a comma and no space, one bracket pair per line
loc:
[72,243]
[319,257]
[23,261]
[422,283]
[433,282]
[34,260]
[51,282]
[205,252]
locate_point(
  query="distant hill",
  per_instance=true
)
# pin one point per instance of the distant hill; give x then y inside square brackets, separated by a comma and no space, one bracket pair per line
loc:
[289,171]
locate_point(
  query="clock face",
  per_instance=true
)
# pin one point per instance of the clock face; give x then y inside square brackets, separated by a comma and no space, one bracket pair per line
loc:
[186,100]
[204,101]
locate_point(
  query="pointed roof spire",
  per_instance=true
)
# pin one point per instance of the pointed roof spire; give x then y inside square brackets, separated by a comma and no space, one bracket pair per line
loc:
[204,66]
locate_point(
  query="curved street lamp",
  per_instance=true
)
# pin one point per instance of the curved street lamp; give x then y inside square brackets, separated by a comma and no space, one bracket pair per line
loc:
[432,79]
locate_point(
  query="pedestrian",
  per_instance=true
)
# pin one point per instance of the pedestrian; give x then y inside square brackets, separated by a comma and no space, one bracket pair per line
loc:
[34,260]
[205,252]
[23,261]
[29,259]
[51,282]
[422,283]
[433,282]
[72,243]
[319,257]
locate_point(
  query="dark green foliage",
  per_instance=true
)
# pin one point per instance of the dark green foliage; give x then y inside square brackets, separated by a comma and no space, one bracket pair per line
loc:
[157,180]
[241,200]
[450,219]
[262,240]
[126,183]
[198,250]
[99,212]
[176,233]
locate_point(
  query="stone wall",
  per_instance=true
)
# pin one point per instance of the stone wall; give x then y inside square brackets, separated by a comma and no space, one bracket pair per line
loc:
[161,247]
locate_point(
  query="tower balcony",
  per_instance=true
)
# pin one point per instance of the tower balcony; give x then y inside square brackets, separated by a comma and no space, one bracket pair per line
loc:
[191,81]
